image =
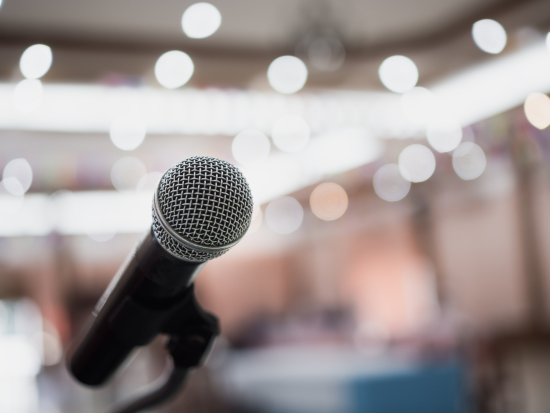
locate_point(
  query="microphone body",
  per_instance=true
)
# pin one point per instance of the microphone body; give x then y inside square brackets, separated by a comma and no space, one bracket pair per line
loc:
[202,207]
[131,312]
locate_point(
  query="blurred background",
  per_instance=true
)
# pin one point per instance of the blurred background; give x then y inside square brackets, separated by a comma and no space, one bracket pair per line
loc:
[398,156]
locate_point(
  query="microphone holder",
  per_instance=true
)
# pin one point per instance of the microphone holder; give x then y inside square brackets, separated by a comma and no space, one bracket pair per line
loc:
[192,331]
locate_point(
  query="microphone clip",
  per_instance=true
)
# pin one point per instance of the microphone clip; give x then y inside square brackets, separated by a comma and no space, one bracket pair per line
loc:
[191,329]
[192,340]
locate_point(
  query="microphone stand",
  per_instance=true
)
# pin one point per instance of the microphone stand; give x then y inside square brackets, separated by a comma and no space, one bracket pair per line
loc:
[192,332]
[171,381]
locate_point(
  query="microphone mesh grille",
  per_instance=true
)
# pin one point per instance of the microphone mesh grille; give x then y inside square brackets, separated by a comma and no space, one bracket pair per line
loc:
[206,201]
[178,249]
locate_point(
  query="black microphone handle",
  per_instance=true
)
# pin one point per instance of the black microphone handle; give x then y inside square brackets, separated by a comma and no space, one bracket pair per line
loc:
[148,285]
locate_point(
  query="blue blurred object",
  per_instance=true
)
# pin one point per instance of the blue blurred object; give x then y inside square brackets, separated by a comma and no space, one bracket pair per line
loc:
[435,388]
[337,380]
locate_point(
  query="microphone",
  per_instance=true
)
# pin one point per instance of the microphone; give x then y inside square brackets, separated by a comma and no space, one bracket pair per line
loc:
[202,207]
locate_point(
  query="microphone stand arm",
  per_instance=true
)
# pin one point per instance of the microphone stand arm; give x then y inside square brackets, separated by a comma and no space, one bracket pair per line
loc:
[192,332]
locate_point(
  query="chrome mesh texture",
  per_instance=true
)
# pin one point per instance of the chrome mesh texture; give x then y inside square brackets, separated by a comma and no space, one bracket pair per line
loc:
[178,249]
[206,201]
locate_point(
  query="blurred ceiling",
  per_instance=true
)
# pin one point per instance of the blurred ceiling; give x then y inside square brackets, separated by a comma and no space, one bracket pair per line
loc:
[247,24]
[126,36]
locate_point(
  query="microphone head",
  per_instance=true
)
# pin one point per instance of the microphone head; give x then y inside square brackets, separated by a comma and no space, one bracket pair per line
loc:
[202,208]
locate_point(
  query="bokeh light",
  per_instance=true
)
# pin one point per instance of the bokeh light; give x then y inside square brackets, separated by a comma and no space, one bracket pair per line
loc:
[389,184]
[469,160]
[418,105]
[9,203]
[537,110]
[17,176]
[256,223]
[27,95]
[127,132]
[174,69]
[36,61]
[284,215]
[13,186]
[18,358]
[126,173]
[416,163]
[250,147]
[52,348]
[201,20]
[290,133]
[398,73]
[444,134]
[489,36]
[149,182]
[287,74]
[328,201]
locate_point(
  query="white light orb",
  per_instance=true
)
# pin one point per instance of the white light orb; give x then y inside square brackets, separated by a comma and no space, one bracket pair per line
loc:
[27,95]
[250,147]
[20,361]
[389,184]
[201,20]
[36,61]
[174,69]
[256,222]
[444,134]
[537,110]
[149,182]
[416,163]
[418,105]
[9,203]
[287,74]
[126,173]
[52,350]
[13,186]
[398,73]
[489,36]
[127,132]
[284,215]
[469,161]
[328,201]
[290,133]
[17,176]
